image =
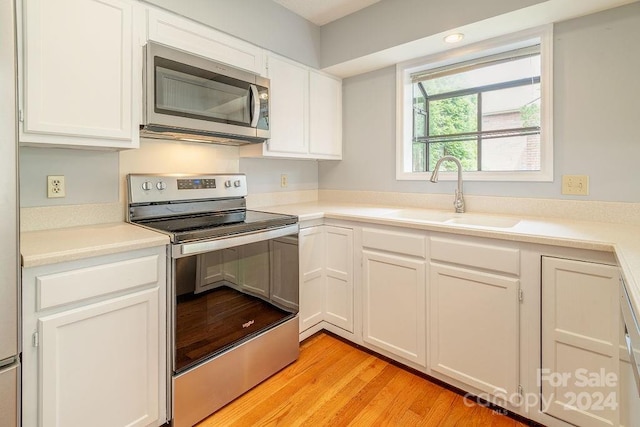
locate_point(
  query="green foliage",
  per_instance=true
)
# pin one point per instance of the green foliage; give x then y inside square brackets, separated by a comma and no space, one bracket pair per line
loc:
[451,116]
[530,115]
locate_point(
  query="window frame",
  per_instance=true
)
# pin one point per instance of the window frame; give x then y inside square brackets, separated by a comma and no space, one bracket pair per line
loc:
[404,104]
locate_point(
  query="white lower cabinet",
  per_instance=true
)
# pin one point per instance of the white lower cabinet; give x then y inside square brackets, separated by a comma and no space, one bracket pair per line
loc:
[338,308]
[312,263]
[326,277]
[629,396]
[394,293]
[580,375]
[513,323]
[474,314]
[474,328]
[94,342]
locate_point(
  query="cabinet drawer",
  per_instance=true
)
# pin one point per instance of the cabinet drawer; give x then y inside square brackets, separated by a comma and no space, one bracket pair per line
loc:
[91,282]
[489,257]
[394,241]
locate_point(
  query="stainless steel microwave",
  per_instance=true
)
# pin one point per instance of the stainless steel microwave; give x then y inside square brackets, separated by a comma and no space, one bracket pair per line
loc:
[191,98]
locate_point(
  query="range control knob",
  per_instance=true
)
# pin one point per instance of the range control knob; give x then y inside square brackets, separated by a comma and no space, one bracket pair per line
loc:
[147,185]
[237,183]
[161,185]
[227,184]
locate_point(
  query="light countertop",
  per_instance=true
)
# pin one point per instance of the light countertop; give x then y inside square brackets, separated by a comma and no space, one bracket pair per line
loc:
[621,239]
[69,244]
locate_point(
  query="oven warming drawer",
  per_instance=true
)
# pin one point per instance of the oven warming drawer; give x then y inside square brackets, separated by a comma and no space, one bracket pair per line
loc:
[206,388]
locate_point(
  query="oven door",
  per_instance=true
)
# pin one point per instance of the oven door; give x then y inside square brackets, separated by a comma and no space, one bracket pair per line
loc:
[227,291]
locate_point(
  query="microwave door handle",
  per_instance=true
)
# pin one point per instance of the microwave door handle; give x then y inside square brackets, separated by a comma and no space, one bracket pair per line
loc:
[256,106]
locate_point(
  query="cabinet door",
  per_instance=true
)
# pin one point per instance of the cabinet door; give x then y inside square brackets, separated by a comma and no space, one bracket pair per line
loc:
[325,116]
[289,107]
[78,77]
[182,33]
[580,336]
[474,328]
[394,305]
[99,363]
[312,279]
[339,277]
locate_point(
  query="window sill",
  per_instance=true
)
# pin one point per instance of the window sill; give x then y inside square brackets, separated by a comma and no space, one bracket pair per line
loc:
[532,176]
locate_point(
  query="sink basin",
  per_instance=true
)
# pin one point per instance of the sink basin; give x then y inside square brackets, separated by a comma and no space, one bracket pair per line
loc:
[421,215]
[484,221]
[453,218]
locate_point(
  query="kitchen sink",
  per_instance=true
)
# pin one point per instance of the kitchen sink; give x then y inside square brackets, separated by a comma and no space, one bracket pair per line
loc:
[445,217]
[422,215]
[484,221]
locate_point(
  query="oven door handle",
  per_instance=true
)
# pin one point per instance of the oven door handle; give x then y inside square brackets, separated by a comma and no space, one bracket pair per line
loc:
[186,249]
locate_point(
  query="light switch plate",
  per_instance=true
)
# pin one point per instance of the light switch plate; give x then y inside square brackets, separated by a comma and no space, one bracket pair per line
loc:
[575,185]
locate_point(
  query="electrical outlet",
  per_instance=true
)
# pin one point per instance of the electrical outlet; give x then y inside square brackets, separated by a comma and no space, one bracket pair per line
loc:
[284,180]
[575,185]
[55,186]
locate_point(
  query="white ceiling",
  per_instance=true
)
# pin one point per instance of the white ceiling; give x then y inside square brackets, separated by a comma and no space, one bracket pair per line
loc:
[322,12]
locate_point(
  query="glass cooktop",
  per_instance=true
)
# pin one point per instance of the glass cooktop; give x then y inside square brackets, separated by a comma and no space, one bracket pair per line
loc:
[217,224]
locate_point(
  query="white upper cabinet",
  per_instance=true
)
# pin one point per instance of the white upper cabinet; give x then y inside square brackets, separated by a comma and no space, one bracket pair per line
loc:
[80,73]
[176,31]
[325,116]
[289,109]
[305,113]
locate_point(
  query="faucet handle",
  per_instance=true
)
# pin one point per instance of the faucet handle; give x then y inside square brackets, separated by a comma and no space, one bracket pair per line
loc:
[458,202]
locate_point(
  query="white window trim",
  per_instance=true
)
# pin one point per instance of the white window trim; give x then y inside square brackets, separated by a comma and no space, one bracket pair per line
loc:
[404,110]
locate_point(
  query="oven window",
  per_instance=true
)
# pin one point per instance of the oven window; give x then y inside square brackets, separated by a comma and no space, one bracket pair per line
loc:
[228,296]
[182,90]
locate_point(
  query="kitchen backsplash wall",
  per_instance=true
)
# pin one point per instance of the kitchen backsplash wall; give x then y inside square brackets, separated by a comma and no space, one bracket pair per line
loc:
[264,175]
[91,176]
[596,110]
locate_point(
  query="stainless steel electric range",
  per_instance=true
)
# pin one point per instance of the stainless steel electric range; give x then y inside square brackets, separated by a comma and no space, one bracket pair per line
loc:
[233,294]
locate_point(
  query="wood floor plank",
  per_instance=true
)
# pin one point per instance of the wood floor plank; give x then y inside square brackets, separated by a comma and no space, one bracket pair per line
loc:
[334,383]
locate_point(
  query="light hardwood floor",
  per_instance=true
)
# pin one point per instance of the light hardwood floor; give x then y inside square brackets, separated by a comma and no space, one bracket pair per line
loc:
[336,384]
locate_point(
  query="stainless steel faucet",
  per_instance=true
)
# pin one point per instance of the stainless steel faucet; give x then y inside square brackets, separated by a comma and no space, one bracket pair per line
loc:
[458,202]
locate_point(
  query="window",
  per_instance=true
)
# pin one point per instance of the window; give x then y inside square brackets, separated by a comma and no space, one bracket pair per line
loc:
[490,109]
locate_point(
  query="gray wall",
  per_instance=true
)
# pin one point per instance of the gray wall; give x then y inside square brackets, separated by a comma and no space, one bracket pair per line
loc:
[596,111]
[91,176]
[393,22]
[263,175]
[261,22]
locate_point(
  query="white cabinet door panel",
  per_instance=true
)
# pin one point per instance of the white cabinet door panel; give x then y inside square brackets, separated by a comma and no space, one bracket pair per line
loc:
[312,278]
[580,337]
[190,36]
[394,305]
[339,272]
[325,115]
[79,72]
[474,328]
[289,106]
[112,343]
